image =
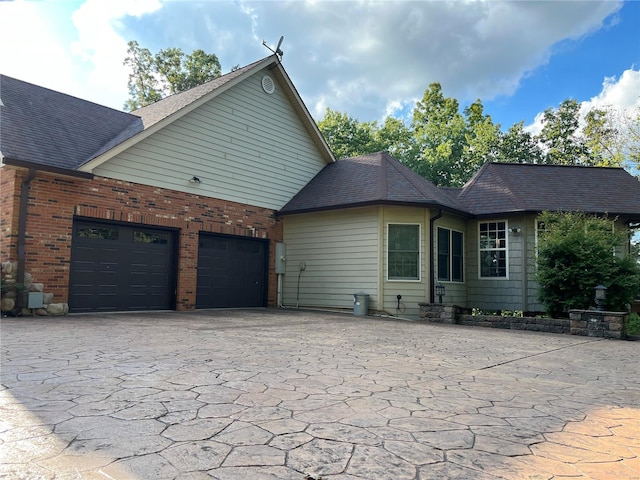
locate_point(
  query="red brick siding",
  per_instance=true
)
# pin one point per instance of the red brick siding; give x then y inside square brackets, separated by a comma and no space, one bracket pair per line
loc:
[54,201]
[9,205]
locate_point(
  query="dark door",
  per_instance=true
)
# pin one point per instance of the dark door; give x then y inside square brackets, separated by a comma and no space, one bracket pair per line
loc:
[232,272]
[121,268]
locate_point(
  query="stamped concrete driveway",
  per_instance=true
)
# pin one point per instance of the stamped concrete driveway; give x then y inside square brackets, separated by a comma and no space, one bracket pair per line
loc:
[272,394]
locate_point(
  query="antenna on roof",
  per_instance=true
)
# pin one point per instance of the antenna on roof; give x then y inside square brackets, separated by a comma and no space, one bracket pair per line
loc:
[277,51]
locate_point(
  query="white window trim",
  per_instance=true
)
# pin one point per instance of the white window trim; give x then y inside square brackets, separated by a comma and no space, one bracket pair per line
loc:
[386,254]
[506,250]
[464,273]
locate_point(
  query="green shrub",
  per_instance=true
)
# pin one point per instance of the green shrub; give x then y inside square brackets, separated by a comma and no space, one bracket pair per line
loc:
[633,324]
[575,253]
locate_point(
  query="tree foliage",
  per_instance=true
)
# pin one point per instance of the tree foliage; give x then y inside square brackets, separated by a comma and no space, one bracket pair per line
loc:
[152,77]
[575,254]
[447,144]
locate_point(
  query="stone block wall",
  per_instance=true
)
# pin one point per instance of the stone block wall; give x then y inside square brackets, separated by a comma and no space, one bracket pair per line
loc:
[589,323]
[592,323]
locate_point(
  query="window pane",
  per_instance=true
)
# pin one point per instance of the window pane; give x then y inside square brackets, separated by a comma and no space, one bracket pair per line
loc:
[493,245]
[403,257]
[493,264]
[100,233]
[443,254]
[156,238]
[456,257]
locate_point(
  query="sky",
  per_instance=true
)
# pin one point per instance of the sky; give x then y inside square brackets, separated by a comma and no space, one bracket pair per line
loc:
[369,59]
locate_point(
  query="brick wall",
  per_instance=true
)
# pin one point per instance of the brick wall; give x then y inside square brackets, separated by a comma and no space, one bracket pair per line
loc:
[55,200]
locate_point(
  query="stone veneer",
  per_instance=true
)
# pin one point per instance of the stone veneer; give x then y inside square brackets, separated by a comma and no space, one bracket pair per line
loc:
[590,323]
[9,303]
[593,323]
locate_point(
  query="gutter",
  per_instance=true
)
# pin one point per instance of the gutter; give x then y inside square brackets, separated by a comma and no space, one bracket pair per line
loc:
[432,267]
[22,230]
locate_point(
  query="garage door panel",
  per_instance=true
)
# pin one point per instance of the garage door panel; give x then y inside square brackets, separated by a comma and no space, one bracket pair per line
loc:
[120,268]
[231,272]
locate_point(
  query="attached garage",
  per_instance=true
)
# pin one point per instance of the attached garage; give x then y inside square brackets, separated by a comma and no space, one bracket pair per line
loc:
[118,267]
[232,271]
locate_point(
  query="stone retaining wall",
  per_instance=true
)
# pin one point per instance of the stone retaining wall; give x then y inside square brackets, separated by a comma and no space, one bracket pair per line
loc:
[590,323]
[550,325]
[10,302]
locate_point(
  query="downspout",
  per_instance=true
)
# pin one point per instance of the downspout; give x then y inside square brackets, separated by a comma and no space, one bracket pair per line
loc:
[22,229]
[432,267]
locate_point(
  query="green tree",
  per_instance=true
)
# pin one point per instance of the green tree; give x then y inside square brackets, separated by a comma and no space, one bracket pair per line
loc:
[575,255]
[169,71]
[518,146]
[601,139]
[559,136]
[439,130]
[482,139]
[346,136]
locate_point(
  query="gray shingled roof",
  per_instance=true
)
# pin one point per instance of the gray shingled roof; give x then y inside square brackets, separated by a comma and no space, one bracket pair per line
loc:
[497,189]
[373,179]
[50,128]
[500,188]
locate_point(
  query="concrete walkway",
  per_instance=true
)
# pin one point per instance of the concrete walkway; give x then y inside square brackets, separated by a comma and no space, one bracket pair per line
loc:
[268,394]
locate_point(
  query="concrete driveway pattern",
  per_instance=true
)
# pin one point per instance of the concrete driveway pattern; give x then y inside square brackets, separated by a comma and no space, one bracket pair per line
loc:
[285,394]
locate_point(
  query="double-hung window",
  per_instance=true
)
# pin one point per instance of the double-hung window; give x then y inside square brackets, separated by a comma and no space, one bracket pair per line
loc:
[493,250]
[450,255]
[403,252]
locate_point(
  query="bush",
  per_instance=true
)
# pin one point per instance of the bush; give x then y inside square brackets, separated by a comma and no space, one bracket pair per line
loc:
[575,253]
[633,324]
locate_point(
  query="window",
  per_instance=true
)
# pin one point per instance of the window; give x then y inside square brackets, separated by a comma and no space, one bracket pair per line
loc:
[450,255]
[157,238]
[403,252]
[493,250]
[98,233]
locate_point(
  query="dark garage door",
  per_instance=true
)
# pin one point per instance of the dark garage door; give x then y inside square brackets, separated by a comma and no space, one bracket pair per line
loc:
[232,272]
[121,268]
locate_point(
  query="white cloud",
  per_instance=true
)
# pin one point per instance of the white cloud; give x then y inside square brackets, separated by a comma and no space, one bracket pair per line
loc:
[80,53]
[359,57]
[620,96]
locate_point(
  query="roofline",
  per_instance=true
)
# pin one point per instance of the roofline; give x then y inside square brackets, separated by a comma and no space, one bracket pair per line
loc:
[308,119]
[375,203]
[12,162]
[625,215]
[146,132]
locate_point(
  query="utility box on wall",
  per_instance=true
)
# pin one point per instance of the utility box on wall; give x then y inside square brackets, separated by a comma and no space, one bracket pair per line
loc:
[281,251]
[35,300]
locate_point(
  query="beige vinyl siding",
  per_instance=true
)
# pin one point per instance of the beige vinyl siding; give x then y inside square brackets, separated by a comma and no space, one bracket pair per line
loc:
[340,251]
[455,292]
[244,145]
[412,292]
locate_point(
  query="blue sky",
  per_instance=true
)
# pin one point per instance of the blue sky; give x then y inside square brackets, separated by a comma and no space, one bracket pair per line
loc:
[366,58]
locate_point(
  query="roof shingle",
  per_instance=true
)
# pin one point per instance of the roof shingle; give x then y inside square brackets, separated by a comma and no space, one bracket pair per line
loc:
[500,188]
[368,179]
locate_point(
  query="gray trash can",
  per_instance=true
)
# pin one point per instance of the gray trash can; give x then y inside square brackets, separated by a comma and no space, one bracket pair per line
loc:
[360,303]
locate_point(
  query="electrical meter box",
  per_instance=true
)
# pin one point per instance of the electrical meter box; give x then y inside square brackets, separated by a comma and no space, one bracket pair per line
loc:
[281,251]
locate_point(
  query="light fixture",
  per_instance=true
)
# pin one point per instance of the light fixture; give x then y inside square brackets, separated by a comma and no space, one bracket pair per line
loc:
[195,180]
[440,291]
[515,230]
[601,297]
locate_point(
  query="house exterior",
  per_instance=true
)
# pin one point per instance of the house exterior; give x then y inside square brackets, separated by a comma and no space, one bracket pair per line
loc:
[369,224]
[227,195]
[172,206]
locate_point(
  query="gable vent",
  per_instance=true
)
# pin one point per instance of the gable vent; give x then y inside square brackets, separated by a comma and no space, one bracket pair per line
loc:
[268,84]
